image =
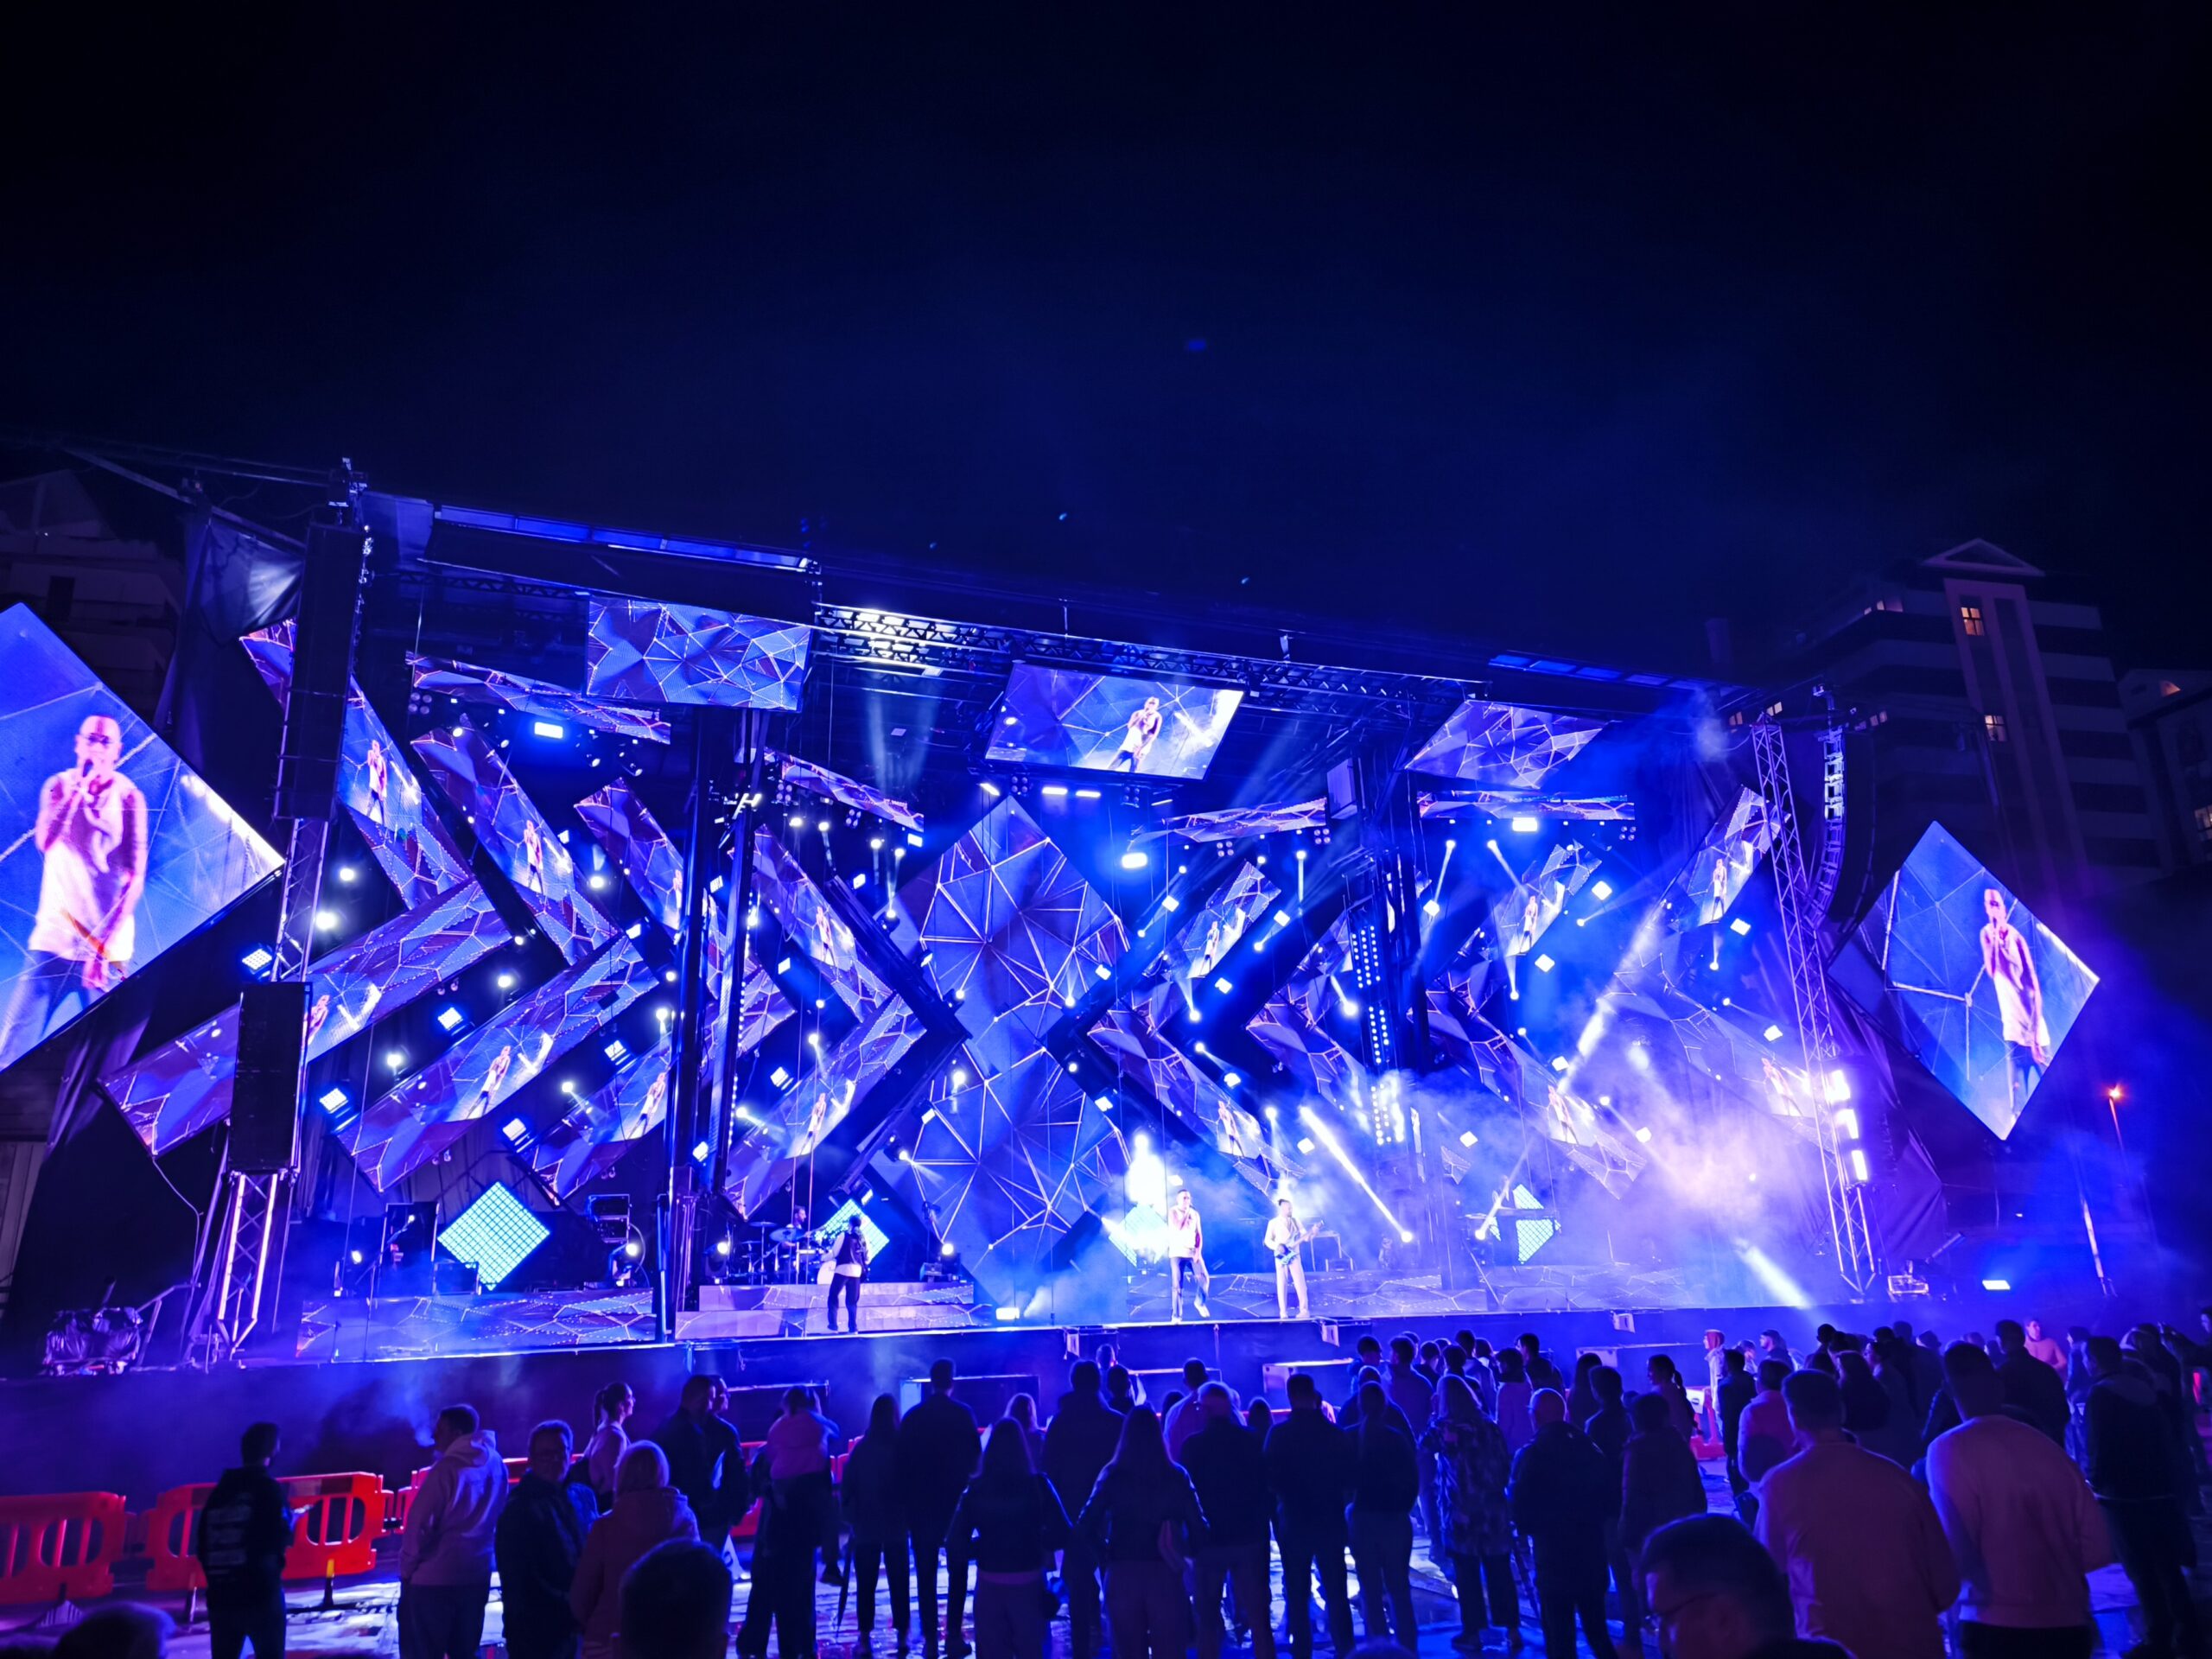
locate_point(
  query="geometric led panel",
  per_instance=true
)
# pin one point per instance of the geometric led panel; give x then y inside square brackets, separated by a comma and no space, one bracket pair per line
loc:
[1502,745]
[510,827]
[620,823]
[184,1086]
[399,825]
[820,780]
[1013,935]
[114,849]
[639,651]
[812,923]
[1722,867]
[421,1117]
[496,1233]
[524,695]
[1202,943]
[1962,975]
[1102,722]
[593,1135]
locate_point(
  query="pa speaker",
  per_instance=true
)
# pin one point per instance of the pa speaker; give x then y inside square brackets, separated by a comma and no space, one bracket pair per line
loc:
[265,1097]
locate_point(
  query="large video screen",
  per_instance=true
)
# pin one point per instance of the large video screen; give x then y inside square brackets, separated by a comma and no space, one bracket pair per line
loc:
[1102,722]
[114,849]
[1722,866]
[639,651]
[1202,945]
[1966,979]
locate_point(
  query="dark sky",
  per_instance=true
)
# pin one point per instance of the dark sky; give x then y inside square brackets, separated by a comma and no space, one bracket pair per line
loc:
[1565,335]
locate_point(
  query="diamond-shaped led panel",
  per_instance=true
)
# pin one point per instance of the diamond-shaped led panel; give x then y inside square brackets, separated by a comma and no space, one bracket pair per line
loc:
[639,651]
[496,1233]
[1502,745]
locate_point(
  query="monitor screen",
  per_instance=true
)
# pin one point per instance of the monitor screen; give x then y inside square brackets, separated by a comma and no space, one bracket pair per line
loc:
[639,652]
[114,849]
[1965,978]
[1102,722]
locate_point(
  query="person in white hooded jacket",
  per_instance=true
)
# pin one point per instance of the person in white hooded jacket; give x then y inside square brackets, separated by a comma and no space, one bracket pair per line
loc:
[446,1547]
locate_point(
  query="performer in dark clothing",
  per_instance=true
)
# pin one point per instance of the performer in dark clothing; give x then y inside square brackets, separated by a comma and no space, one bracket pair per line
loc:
[540,1535]
[1311,1471]
[1078,1443]
[244,1529]
[1560,1493]
[847,1268]
[705,1462]
[877,1516]
[938,1449]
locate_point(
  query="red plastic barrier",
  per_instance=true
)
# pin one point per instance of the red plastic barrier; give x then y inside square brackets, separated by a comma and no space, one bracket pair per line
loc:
[61,1544]
[335,1525]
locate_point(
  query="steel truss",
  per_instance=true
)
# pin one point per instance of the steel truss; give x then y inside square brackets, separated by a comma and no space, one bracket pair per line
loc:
[1809,988]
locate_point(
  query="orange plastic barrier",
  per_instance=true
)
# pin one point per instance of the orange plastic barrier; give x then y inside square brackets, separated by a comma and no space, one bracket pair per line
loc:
[335,1522]
[61,1544]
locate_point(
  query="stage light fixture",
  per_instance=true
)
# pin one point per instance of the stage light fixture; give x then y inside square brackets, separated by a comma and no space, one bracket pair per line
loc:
[859,879]
[567,1085]
[1601,890]
[1306,1143]
[259,960]
[1545,964]
[1432,910]
[823,825]
[959,1078]
[1838,1088]
[1467,1139]
[596,882]
[506,981]
[1086,794]
[700,1153]
[1645,1134]
[1282,919]
[634,1249]
[668,976]
[355,1257]
[514,1130]
[1348,1008]
[395,1059]
[723,1246]
[1103,970]
[1772,1034]
[1740,927]
[1230,1079]
[1196,1016]
[451,1018]
[799,820]
[1859,1171]
[1404,1237]
[334,1100]
[1846,1123]
[328,920]
[1274,1113]
[617,1050]
[1998,1285]
[992,789]
[906,1156]
[1135,859]
[1223,985]
[875,843]
[1055,790]
[1524,826]
[542,728]
[948,1250]
[348,872]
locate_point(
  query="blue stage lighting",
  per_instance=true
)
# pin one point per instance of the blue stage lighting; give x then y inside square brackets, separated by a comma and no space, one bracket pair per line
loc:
[547,728]
[1086,794]
[1135,859]
[1171,902]
[514,1130]
[348,872]
[1055,790]
[334,1099]
[1524,826]
[259,960]
[1772,1034]
[1223,985]
[1999,1285]
[496,1233]
[617,1050]
[1740,927]
[328,920]
[450,1018]
[701,1153]
[1103,971]
[1601,890]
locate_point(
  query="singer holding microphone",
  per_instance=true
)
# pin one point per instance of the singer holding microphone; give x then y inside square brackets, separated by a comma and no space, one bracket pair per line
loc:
[92,829]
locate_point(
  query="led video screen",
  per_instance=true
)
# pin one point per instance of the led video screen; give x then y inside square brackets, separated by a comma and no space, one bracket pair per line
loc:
[1721,868]
[595,1133]
[1202,946]
[516,833]
[632,838]
[433,1109]
[1534,903]
[184,1086]
[1102,722]
[116,849]
[541,700]
[639,651]
[379,793]
[1964,979]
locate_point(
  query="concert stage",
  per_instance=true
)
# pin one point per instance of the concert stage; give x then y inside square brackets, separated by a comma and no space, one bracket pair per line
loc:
[650,933]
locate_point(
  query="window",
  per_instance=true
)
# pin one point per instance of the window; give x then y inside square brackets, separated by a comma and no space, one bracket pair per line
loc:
[2168,689]
[2204,824]
[2188,743]
[1994,726]
[1971,615]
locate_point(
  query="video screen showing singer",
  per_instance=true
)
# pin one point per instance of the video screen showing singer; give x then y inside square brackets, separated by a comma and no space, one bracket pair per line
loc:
[91,833]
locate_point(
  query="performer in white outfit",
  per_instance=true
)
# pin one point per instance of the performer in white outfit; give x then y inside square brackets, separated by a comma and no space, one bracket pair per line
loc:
[1286,1238]
[1186,1249]
[2011,970]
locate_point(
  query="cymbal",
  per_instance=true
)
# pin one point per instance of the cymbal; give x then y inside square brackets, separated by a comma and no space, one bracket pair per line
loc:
[785,1235]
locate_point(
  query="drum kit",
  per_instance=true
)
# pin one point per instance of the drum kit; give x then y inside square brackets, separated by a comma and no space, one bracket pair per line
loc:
[778,1255]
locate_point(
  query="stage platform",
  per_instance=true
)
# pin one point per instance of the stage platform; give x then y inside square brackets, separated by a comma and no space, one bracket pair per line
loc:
[146,1431]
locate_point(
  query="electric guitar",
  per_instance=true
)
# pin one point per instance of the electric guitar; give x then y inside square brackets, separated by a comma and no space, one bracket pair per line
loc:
[1287,1252]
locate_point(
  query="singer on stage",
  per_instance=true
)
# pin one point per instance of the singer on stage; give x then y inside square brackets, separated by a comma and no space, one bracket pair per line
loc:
[1186,1249]
[91,828]
[849,1266]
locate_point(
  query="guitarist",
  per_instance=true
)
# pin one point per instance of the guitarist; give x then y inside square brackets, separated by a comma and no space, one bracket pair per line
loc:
[1285,1238]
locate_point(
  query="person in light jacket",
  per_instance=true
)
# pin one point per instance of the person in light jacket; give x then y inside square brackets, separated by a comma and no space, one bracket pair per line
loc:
[446,1546]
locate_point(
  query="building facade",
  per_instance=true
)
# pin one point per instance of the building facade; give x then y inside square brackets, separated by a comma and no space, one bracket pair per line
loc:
[1988,703]
[2169,712]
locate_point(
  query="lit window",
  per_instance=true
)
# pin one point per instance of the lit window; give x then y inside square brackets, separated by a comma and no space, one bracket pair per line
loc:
[2204,824]
[1971,615]
[2168,689]
[1994,725]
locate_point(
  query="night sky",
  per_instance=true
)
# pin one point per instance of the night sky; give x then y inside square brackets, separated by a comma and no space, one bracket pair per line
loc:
[1566,338]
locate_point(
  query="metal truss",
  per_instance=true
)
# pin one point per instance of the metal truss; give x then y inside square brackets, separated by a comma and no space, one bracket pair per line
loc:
[249,1238]
[1809,988]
